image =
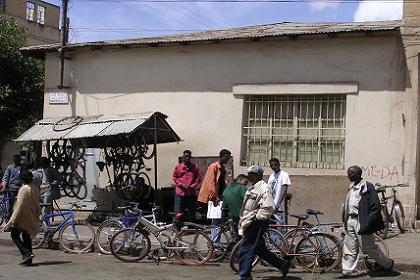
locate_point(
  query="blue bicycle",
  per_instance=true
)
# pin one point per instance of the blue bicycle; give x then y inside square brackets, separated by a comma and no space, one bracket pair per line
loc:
[74,236]
[4,206]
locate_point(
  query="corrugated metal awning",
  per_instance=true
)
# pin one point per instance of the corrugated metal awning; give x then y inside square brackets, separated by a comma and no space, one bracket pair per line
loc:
[101,131]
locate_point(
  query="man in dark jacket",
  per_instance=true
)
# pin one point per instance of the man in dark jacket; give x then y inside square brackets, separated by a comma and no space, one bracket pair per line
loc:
[362,218]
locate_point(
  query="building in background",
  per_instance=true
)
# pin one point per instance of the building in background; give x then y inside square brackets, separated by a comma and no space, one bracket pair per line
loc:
[40,19]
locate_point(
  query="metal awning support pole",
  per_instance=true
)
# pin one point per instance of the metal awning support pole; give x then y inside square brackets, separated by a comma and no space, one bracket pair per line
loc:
[155,158]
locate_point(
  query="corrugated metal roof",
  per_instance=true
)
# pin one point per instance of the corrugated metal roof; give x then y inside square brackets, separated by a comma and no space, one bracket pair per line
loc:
[88,130]
[93,128]
[250,32]
[121,126]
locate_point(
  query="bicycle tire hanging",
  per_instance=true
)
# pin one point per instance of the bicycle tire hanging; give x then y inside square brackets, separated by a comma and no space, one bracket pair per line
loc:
[68,158]
[125,155]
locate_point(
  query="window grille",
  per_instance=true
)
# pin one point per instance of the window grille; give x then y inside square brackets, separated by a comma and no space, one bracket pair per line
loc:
[30,11]
[40,17]
[302,131]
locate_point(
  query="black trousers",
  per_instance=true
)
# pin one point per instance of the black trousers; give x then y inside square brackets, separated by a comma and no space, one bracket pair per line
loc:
[24,244]
[12,201]
[253,244]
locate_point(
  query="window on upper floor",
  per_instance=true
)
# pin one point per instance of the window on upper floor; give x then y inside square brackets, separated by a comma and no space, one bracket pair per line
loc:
[40,14]
[302,131]
[30,11]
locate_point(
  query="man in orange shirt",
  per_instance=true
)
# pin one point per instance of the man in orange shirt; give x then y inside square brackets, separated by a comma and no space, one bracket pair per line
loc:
[214,183]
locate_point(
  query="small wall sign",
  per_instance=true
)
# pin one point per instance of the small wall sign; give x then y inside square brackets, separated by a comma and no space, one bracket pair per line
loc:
[58,98]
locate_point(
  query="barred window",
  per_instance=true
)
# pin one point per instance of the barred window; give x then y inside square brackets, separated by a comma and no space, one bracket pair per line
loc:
[30,11]
[302,131]
[40,15]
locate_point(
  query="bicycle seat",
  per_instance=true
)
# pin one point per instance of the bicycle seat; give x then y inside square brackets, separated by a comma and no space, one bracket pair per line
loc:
[300,217]
[380,189]
[45,204]
[124,207]
[314,212]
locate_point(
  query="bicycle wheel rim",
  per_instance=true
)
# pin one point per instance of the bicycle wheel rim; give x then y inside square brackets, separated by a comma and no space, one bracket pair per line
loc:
[320,252]
[384,232]
[104,234]
[39,238]
[220,241]
[399,216]
[130,245]
[193,244]
[77,237]
[234,258]
[2,213]
[276,243]
[380,242]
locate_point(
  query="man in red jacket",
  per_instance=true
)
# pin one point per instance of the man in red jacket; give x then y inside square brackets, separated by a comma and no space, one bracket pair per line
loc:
[186,177]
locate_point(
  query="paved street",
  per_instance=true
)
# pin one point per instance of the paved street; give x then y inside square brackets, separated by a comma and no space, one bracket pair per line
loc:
[54,264]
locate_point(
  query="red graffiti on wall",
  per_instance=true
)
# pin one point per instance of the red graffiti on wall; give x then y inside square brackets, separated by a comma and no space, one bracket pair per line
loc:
[384,172]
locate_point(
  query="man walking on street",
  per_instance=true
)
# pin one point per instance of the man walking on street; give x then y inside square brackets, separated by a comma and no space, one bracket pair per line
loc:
[258,206]
[278,182]
[12,181]
[186,177]
[214,183]
[362,218]
[233,196]
[25,217]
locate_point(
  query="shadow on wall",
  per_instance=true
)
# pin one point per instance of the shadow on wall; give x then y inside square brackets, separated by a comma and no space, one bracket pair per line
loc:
[323,193]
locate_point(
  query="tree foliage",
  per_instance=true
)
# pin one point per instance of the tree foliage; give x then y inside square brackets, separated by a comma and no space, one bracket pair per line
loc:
[21,82]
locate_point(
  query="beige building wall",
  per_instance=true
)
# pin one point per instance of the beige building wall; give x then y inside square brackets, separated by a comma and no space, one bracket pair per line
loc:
[37,34]
[194,84]
[411,39]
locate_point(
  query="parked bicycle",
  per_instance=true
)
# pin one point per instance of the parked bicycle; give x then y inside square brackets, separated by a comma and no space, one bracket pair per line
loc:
[315,251]
[73,235]
[107,228]
[396,214]
[223,239]
[190,246]
[4,206]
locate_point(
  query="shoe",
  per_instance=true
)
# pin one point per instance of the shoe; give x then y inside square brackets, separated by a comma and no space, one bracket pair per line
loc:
[348,275]
[391,268]
[380,268]
[27,260]
[285,268]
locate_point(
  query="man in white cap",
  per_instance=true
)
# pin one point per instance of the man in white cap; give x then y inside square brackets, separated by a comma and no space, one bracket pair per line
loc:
[257,208]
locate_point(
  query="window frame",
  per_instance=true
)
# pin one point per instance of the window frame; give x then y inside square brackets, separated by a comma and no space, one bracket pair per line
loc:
[40,15]
[294,137]
[30,11]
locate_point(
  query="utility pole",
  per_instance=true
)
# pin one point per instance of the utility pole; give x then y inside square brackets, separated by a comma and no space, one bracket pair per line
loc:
[63,40]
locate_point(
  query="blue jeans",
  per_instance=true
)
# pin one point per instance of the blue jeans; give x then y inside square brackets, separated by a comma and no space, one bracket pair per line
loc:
[47,199]
[253,244]
[215,234]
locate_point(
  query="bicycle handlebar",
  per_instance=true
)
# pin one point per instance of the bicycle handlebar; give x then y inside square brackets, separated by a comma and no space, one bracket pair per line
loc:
[401,185]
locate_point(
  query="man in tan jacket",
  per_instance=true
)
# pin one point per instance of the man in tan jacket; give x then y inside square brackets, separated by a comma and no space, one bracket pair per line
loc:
[25,218]
[257,208]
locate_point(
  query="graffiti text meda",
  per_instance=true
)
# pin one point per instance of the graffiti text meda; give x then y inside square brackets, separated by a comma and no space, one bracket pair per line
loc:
[381,172]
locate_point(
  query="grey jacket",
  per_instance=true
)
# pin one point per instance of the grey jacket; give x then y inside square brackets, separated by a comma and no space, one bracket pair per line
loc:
[258,204]
[11,178]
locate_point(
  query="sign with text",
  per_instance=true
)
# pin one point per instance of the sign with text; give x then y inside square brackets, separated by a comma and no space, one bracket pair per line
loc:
[58,98]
